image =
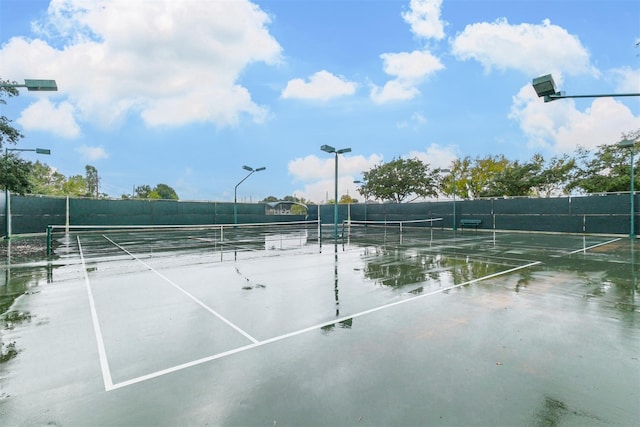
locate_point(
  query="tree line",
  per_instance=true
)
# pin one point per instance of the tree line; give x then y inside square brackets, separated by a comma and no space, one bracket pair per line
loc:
[605,169]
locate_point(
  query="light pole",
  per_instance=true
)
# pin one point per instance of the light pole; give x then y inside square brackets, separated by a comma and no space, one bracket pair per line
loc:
[453,177]
[632,230]
[7,198]
[330,149]
[235,190]
[31,85]
[546,87]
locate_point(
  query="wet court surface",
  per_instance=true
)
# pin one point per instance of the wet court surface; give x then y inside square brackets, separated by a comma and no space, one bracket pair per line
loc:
[380,329]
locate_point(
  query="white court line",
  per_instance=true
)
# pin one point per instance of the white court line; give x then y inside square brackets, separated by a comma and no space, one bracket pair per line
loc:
[305,330]
[184,291]
[104,362]
[594,246]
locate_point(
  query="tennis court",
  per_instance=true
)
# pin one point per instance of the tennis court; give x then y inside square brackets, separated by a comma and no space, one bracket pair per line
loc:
[286,326]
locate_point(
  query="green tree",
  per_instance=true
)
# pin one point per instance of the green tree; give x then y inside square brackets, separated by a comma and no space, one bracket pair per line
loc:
[556,175]
[347,199]
[8,134]
[75,185]
[160,191]
[516,179]
[400,179]
[166,192]
[15,174]
[15,171]
[92,181]
[45,180]
[606,170]
[143,191]
[473,177]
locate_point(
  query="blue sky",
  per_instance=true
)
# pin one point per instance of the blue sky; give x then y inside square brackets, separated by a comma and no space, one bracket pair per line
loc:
[187,92]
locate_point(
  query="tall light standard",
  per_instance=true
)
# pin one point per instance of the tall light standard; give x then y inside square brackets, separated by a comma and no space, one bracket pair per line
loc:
[330,149]
[31,85]
[546,87]
[235,190]
[453,177]
[632,230]
[7,198]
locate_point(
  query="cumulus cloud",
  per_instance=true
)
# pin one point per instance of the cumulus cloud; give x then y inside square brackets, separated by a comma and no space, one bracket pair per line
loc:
[162,59]
[424,18]
[318,173]
[322,86]
[43,115]
[628,80]
[435,156]
[409,70]
[92,153]
[561,127]
[533,49]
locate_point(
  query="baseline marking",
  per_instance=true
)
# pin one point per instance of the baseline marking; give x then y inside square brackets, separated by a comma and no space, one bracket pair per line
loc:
[102,354]
[184,291]
[305,330]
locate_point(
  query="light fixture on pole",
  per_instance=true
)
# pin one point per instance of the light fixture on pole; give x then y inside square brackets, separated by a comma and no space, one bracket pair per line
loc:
[35,85]
[330,149]
[7,197]
[630,145]
[235,190]
[546,87]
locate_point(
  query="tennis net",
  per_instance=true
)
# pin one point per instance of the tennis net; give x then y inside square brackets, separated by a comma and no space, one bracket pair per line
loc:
[364,228]
[254,236]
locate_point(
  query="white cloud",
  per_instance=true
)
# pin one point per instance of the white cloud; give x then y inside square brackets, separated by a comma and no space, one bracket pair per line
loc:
[119,57]
[409,69]
[533,49]
[435,156]
[45,116]
[424,18]
[561,127]
[322,85]
[414,122]
[92,153]
[318,174]
[628,80]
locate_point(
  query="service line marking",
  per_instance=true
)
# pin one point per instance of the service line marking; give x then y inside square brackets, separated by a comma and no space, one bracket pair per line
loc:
[305,330]
[184,291]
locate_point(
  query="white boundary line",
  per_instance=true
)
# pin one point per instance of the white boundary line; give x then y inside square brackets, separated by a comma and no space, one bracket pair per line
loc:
[305,330]
[102,354]
[184,291]
[594,246]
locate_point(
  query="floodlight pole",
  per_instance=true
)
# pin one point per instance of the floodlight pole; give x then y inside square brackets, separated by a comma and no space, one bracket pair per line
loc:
[31,85]
[546,87]
[7,197]
[330,149]
[632,230]
[235,190]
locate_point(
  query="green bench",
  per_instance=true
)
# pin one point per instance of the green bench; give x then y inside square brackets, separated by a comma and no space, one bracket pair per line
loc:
[468,222]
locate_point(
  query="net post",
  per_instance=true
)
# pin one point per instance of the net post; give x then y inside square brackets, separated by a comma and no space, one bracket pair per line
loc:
[48,240]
